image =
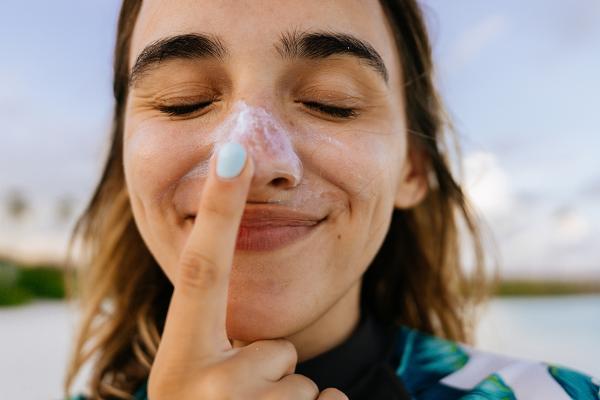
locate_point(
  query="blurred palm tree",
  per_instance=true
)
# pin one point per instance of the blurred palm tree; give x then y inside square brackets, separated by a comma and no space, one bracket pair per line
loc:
[65,206]
[17,205]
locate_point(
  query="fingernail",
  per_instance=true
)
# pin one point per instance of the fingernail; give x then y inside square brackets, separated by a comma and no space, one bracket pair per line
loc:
[230,160]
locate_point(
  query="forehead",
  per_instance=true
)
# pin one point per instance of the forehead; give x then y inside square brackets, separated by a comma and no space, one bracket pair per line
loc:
[252,27]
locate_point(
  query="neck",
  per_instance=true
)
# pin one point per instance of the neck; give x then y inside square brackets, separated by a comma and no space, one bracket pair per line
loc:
[338,322]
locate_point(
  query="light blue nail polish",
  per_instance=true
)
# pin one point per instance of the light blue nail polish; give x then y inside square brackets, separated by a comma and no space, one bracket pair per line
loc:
[230,160]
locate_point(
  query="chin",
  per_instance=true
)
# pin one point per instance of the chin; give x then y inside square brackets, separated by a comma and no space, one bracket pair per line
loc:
[251,319]
[265,300]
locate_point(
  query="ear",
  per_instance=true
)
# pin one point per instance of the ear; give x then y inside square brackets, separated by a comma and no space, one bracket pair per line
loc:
[413,179]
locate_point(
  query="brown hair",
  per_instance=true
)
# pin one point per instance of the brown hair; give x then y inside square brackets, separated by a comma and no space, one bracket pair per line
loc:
[416,278]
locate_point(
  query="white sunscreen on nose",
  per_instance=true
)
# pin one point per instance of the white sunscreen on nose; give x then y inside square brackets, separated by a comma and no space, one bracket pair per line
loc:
[264,137]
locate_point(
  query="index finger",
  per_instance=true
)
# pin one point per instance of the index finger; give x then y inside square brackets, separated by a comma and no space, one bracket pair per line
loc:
[196,318]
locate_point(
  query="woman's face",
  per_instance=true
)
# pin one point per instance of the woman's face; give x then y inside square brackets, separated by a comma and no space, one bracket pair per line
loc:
[258,72]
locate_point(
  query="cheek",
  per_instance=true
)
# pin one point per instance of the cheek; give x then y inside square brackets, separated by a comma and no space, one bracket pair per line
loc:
[366,166]
[363,164]
[155,157]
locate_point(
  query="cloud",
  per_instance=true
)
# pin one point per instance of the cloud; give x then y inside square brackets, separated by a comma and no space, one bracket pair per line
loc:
[487,185]
[534,237]
[570,226]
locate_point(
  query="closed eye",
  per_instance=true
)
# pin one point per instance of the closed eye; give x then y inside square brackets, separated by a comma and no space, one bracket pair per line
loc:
[334,111]
[186,109]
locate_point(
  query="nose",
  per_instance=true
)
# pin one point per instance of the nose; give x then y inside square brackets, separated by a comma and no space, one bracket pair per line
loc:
[269,143]
[276,163]
[278,171]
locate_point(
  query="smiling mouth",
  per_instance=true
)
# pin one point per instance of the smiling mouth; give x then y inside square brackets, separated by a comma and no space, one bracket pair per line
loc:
[271,229]
[254,238]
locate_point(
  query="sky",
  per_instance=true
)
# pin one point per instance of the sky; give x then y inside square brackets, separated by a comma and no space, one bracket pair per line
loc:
[520,80]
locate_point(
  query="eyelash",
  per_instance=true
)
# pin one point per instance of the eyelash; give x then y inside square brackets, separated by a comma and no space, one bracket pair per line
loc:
[186,109]
[183,109]
[338,112]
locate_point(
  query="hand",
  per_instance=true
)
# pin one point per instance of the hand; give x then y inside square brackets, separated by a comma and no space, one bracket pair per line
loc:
[195,359]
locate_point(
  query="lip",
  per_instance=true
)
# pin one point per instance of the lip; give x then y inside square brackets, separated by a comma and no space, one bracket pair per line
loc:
[265,228]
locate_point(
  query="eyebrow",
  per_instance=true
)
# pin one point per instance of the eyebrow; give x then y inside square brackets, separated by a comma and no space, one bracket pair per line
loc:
[322,44]
[291,45]
[188,46]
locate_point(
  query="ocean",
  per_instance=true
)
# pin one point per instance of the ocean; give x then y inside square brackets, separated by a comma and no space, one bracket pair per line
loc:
[35,339]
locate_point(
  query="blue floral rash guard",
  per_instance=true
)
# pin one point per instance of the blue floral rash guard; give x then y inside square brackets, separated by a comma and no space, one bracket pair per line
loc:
[377,363]
[437,369]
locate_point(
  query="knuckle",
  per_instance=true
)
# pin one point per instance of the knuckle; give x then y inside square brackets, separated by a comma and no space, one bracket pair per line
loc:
[197,270]
[307,386]
[332,394]
[298,385]
[288,348]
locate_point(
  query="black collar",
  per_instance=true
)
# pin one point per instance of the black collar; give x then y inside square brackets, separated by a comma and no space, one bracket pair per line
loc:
[363,366]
